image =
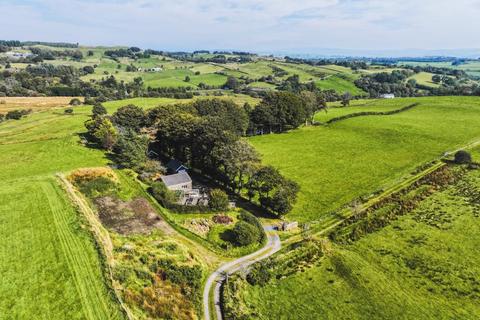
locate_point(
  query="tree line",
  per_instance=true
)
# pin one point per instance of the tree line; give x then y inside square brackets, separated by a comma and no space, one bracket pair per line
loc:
[399,83]
[206,135]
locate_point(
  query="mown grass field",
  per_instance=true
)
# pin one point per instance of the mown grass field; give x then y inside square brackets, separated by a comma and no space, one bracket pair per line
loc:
[340,84]
[48,261]
[470,67]
[423,266]
[337,163]
[34,103]
[425,79]
[335,109]
[146,103]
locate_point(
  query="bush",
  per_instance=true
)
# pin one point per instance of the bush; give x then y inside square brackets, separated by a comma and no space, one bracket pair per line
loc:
[251,219]
[68,111]
[462,157]
[17,114]
[218,200]
[98,110]
[259,274]
[245,234]
[75,102]
[88,69]
[161,193]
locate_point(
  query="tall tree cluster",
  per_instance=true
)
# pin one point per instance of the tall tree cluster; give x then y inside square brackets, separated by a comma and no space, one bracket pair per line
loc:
[282,111]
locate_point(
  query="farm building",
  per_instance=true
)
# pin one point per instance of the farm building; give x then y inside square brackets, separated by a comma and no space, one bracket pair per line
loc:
[155,69]
[287,226]
[387,96]
[17,55]
[179,181]
[175,166]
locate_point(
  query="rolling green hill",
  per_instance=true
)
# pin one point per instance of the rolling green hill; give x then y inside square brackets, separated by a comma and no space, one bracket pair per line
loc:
[337,163]
[422,266]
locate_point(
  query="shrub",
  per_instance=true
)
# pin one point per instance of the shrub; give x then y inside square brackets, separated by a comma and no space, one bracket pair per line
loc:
[2,117]
[259,274]
[218,200]
[462,157]
[75,102]
[14,114]
[251,219]
[245,234]
[88,69]
[161,193]
[98,110]
[68,111]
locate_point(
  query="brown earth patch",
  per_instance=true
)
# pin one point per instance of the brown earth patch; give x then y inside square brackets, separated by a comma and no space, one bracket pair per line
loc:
[130,217]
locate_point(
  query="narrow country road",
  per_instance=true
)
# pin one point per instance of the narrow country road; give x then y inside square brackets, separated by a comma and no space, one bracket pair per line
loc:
[218,276]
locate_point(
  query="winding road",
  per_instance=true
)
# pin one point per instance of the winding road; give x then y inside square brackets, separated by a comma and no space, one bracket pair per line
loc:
[218,276]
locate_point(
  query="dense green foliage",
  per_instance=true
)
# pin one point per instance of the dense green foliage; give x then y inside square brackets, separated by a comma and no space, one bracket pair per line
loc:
[244,233]
[462,157]
[218,200]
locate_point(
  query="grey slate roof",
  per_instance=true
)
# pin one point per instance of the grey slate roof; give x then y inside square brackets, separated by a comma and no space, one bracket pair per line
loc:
[178,178]
[174,165]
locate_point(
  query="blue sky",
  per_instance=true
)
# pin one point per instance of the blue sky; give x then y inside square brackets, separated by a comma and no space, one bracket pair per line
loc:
[261,25]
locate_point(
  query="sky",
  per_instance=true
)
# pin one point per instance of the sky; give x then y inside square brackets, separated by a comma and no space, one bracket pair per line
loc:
[301,26]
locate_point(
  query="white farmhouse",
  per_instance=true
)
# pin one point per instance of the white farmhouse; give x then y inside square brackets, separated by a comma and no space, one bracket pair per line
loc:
[180,181]
[387,96]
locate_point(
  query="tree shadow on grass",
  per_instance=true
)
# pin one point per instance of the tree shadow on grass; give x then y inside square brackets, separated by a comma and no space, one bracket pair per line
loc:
[228,236]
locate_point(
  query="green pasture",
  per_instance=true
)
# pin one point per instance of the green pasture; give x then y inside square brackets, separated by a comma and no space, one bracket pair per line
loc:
[146,103]
[425,79]
[337,163]
[422,266]
[335,109]
[339,84]
[49,265]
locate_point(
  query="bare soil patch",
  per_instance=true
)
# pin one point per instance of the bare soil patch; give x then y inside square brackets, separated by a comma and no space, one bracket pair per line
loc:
[130,217]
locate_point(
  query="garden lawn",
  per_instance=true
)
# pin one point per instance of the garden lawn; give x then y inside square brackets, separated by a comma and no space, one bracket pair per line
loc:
[355,157]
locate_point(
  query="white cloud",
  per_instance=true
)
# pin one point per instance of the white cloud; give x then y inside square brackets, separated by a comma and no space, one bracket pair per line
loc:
[247,24]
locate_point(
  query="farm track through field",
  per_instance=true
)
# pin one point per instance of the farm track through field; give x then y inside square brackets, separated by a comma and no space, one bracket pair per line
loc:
[86,283]
[218,277]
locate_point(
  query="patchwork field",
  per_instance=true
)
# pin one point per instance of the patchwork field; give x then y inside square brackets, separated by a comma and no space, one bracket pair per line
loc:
[146,103]
[470,67]
[422,266]
[337,163]
[333,164]
[425,78]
